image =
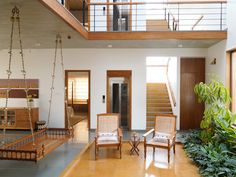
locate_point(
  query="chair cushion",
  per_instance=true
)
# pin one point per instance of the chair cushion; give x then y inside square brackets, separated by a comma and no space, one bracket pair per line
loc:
[107,138]
[107,134]
[160,139]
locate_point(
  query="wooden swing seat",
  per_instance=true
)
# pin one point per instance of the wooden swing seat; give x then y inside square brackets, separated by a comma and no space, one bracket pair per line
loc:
[46,141]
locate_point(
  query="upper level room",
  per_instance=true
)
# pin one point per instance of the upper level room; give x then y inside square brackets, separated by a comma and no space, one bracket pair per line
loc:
[145,19]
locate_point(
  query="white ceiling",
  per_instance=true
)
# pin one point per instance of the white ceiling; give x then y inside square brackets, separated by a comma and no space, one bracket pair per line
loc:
[40,26]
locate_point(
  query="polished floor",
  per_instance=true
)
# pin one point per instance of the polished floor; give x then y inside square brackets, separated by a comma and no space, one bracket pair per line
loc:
[109,164]
[67,160]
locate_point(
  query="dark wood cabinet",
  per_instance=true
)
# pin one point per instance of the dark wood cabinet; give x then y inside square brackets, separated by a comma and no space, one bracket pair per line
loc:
[17,118]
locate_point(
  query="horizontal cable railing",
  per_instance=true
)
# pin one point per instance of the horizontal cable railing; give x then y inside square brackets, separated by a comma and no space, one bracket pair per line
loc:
[152,16]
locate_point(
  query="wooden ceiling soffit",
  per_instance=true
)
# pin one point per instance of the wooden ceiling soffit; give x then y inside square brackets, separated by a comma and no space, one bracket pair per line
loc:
[181,35]
[65,15]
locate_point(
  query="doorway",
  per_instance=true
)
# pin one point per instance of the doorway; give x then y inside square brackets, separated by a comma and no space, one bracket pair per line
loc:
[78,97]
[119,95]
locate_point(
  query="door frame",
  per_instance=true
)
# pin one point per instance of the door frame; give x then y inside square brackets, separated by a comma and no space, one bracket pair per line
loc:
[128,75]
[89,93]
[229,77]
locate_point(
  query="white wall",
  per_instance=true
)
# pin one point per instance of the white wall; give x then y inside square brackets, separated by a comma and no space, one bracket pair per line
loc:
[218,50]
[39,66]
[216,71]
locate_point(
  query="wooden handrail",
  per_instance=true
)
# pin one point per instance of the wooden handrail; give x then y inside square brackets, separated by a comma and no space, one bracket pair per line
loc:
[170,2]
[170,90]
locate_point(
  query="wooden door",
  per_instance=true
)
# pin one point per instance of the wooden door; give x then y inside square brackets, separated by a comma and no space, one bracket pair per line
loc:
[191,112]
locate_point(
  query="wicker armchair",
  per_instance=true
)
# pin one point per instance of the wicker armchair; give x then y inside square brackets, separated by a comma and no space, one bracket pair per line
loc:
[164,134]
[108,132]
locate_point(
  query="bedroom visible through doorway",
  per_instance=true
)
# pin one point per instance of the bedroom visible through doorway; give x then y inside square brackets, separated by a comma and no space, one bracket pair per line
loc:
[78,96]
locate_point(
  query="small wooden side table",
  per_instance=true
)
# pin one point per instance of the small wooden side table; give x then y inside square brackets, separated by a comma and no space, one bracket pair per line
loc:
[134,142]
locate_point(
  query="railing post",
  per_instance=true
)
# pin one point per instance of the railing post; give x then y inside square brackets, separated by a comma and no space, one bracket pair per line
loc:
[178,17]
[221,11]
[168,20]
[136,24]
[83,12]
[94,17]
[165,13]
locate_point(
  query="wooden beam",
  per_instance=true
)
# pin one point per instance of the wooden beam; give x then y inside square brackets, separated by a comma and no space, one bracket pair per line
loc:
[182,35]
[65,15]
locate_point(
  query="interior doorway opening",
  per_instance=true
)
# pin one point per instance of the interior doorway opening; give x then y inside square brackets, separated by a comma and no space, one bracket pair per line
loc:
[119,96]
[161,87]
[78,96]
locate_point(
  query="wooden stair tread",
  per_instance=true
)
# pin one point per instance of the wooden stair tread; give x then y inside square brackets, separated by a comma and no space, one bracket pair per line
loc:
[158,102]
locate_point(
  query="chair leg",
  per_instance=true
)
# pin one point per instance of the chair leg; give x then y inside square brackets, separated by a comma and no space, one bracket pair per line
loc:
[174,148]
[95,152]
[145,151]
[120,151]
[168,155]
[153,150]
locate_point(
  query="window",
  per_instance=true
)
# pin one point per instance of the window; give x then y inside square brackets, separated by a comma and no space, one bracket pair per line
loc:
[78,87]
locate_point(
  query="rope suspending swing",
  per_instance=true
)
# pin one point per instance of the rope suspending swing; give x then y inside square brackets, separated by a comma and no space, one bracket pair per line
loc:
[16,18]
[58,42]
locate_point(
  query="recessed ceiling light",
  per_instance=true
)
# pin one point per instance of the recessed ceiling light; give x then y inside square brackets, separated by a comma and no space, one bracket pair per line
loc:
[180,45]
[109,46]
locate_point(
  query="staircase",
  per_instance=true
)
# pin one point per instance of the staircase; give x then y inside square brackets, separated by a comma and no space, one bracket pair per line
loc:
[158,102]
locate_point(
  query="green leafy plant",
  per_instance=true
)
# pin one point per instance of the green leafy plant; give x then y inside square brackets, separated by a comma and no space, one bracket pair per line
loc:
[213,147]
[213,159]
[216,115]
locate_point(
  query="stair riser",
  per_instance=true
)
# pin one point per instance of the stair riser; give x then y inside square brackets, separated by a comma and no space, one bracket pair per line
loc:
[156,101]
[158,105]
[159,110]
[157,94]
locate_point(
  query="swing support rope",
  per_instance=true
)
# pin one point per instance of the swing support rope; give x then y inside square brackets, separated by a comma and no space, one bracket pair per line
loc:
[58,42]
[16,17]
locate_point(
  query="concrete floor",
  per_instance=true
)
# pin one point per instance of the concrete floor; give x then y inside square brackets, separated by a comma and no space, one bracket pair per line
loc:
[54,163]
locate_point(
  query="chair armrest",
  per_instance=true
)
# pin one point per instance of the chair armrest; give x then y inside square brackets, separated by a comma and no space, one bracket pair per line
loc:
[173,135]
[147,133]
[120,134]
[96,135]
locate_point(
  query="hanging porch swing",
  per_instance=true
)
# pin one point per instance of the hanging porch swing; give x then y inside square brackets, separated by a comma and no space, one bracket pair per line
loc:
[35,146]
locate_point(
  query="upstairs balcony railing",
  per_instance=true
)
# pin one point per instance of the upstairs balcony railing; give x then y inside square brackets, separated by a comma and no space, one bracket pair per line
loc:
[151,15]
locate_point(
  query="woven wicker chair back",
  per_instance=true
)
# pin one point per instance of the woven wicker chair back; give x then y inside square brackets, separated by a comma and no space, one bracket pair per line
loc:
[108,123]
[165,124]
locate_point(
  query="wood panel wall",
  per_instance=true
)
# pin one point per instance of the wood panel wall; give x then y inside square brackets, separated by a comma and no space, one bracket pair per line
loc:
[191,112]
